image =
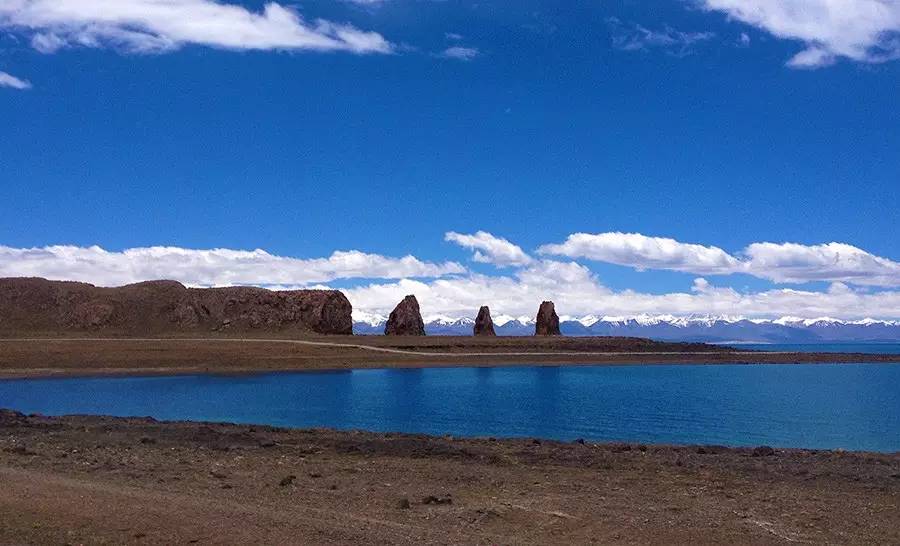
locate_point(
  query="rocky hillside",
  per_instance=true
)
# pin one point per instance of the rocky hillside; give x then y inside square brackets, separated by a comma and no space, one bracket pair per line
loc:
[31,306]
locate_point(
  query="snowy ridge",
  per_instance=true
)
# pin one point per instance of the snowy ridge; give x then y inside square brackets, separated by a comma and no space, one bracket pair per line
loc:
[371,319]
[712,328]
[500,320]
[448,321]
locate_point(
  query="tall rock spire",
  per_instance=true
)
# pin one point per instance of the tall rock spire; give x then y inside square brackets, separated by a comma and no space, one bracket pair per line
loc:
[405,319]
[547,322]
[484,326]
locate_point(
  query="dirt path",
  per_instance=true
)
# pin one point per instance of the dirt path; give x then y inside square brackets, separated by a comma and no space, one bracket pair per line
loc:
[389,350]
[55,356]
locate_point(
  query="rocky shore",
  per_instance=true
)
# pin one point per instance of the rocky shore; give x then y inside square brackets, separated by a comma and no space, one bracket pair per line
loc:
[103,480]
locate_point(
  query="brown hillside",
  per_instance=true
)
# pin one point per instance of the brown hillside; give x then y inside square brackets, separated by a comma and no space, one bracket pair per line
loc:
[33,306]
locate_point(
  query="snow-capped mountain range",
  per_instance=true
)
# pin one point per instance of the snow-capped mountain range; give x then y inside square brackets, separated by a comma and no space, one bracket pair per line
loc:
[669,327]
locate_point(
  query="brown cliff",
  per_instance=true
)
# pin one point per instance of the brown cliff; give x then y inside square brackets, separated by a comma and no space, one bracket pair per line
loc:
[39,306]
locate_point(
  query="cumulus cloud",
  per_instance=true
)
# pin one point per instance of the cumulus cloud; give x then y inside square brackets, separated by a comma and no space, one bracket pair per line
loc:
[789,262]
[668,39]
[448,289]
[153,26]
[576,292]
[460,53]
[214,267]
[490,249]
[861,30]
[8,80]
[516,294]
[783,263]
[642,252]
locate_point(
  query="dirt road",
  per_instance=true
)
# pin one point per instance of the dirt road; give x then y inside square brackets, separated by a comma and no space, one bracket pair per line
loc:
[31,357]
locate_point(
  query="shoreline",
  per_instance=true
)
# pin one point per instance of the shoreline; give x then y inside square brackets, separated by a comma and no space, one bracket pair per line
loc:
[94,479]
[14,418]
[111,373]
[610,444]
[48,357]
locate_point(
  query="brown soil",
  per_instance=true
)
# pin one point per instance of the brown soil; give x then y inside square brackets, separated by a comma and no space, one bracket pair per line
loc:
[45,357]
[98,480]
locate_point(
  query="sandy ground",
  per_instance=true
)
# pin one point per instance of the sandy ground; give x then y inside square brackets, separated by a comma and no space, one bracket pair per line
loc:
[55,356]
[96,480]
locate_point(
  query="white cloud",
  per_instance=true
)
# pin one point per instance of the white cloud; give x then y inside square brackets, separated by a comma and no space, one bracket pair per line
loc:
[518,294]
[490,249]
[668,39]
[789,262]
[448,289]
[8,80]
[460,53]
[215,267]
[861,30]
[784,263]
[48,43]
[576,292]
[163,25]
[642,252]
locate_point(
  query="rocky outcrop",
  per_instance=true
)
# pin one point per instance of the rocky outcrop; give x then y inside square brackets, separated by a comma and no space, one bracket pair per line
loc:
[484,326]
[547,322]
[405,319]
[39,306]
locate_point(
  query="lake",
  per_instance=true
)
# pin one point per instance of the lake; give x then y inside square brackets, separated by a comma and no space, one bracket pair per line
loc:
[850,406]
[845,347]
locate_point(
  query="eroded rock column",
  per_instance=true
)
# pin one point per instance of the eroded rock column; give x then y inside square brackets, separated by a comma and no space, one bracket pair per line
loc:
[547,322]
[484,326]
[405,319]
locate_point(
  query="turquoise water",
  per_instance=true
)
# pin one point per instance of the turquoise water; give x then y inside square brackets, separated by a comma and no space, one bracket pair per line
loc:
[871,348]
[853,406]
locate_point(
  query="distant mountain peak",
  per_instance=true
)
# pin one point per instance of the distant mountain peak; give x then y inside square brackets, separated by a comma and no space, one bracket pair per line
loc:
[709,328]
[372,319]
[445,320]
[500,320]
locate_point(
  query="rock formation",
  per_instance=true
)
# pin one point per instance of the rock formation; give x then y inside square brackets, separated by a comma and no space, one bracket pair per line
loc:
[547,322]
[39,306]
[484,326]
[405,319]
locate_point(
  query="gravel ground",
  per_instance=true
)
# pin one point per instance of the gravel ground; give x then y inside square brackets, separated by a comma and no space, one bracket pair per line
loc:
[103,480]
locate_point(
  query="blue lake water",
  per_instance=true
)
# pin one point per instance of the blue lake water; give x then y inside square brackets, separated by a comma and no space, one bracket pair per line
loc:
[815,406]
[864,347]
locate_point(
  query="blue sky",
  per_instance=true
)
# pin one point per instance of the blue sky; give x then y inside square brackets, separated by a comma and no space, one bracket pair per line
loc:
[379,127]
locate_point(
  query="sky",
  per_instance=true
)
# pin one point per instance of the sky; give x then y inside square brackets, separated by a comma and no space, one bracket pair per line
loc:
[686,157]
